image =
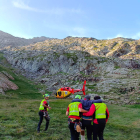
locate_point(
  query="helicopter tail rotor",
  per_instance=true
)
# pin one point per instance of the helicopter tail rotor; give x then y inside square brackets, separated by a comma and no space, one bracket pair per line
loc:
[83,89]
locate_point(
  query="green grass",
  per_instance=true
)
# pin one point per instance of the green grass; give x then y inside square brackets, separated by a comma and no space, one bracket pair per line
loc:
[27,88]
[117,67]
[73,56]
[19,119]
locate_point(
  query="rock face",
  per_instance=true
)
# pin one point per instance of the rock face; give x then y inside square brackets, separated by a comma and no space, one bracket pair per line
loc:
[109,66]
[5,83]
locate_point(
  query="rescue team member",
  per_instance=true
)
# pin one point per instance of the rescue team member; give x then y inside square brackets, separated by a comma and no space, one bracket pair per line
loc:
[44,106]
[87,120]
[73,110]
[100,117]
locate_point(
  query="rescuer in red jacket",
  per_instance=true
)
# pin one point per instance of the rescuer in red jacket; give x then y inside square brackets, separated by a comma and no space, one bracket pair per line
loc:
[73,113]
[100,114]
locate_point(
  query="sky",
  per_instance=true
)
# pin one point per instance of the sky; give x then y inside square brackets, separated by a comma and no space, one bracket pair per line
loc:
[100,19]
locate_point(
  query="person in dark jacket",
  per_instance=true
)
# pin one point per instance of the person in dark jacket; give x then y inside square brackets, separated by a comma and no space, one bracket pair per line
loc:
[100,117]
[87,120]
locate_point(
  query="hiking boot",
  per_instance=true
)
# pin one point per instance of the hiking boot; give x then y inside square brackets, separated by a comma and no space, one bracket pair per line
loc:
[38,129]
[46,128]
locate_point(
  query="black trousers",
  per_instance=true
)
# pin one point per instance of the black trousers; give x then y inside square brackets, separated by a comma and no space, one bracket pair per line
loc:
[87,124]
[40,121]
[74,134]
[98,130]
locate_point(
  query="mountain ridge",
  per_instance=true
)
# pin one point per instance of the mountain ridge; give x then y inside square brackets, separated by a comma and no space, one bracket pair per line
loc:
[7,39]
[109,66]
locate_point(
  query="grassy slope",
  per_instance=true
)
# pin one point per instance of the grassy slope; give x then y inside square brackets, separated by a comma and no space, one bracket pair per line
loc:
[26,90]
[19,119]
[19,116]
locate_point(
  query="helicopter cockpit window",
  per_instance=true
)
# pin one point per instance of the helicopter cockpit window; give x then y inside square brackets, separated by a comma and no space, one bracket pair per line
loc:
[59,93]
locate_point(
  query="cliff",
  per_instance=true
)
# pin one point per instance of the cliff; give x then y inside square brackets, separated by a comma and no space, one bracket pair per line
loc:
[111,67]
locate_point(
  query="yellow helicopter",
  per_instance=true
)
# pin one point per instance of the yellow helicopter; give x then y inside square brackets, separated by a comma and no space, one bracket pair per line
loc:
[67,91]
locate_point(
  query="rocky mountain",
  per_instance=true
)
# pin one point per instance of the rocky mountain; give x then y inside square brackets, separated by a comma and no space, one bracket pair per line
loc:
[5,83]
[9,40]
[110,67]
